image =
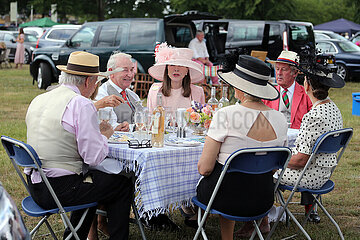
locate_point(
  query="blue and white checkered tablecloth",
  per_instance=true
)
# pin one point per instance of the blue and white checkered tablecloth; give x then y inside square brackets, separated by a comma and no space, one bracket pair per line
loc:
[166,177]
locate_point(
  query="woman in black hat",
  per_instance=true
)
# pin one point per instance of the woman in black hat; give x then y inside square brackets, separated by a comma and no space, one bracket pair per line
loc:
[249,124]
[323,117]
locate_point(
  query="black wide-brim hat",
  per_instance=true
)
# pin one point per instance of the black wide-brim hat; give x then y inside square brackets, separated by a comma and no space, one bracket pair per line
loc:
[251,75]
[331,79]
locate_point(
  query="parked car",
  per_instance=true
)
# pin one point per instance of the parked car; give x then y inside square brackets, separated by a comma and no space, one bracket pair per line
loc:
[9,37]
[347,56]
[225,35]
[135,36]
[56,35]
[11,223]
[325,34]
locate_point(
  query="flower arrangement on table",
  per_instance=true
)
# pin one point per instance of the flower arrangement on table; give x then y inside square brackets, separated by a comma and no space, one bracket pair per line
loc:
[199,117]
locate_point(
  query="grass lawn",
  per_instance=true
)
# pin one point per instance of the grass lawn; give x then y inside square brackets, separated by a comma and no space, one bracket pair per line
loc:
[343,203]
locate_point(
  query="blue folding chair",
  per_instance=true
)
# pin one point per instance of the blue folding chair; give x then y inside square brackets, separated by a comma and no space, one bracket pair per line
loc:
[250,161]
[23,155]
[330,142]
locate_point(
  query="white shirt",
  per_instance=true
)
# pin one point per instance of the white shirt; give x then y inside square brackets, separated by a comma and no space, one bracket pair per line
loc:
[103,93]
[290,91]
[199,48]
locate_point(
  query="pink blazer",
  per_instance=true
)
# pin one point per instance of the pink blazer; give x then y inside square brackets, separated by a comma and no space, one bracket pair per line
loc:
[301,104]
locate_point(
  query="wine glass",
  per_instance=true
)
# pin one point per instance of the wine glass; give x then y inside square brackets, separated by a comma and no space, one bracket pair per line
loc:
[139,122]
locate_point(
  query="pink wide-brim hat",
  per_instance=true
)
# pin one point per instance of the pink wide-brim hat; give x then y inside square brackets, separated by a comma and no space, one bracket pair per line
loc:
[178,57]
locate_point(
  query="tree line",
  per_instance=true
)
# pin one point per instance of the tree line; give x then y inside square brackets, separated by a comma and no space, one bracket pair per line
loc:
[315,11]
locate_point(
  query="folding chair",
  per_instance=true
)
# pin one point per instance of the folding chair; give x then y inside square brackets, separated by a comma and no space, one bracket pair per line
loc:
[330,142]
[23,155]
[251,161]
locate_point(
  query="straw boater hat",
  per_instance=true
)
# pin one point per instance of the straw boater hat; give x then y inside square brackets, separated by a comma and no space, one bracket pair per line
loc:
[165,55]
[251,75]
[82,63]
[288,57]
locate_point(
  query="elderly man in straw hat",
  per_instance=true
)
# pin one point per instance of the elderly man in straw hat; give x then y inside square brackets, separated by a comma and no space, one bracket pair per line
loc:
[62,127]
[293,101]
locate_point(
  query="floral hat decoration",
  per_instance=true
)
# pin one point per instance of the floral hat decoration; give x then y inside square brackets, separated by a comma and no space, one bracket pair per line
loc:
[167,55]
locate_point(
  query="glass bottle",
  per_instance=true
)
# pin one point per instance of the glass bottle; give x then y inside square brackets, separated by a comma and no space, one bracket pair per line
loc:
[158,123]
[224,101]
[213,102]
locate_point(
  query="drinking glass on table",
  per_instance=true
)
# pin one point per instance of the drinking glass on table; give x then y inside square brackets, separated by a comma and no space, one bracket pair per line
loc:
[104,114]
[181,121]
[147,124]
[139,122]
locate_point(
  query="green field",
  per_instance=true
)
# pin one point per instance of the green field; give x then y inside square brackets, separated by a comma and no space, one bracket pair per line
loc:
[343,203]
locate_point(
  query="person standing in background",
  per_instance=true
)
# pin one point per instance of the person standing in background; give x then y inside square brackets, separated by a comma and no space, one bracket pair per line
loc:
[20,49]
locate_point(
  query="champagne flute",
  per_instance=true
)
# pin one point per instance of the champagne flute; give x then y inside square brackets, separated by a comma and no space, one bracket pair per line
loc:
[139,122]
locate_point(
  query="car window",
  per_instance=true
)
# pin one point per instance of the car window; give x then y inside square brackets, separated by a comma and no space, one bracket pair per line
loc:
[274,31]
[142,34]
[60,34]
[107,36]
[355,39]
[84,37]
[30,38]
[326,47]
[349,46]
[8,37]
[299,36]
[182,34]
[245,32]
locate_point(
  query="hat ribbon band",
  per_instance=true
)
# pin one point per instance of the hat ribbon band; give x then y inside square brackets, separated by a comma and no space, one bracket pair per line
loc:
[81,68]
[239,70]
[286,60]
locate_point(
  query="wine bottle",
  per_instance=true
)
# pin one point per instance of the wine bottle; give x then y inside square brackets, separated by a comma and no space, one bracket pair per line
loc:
[224,101]
[213,102]
[158,123]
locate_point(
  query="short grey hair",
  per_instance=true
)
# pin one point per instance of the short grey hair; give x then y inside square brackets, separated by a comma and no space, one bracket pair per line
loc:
[199,32]
[72,79]
[114,57]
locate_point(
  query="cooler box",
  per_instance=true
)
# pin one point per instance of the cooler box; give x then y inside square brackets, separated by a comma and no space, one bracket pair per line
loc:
[356,104]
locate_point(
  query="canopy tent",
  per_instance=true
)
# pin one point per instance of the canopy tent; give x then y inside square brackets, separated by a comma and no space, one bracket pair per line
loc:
[339,26]
[42,22]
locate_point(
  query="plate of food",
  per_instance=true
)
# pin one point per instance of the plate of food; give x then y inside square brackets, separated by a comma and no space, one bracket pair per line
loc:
[182,143]
[121,137]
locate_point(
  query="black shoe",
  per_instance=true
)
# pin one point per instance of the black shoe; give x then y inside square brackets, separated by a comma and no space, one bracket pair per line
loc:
[191,223]
[160,223]
[314,217]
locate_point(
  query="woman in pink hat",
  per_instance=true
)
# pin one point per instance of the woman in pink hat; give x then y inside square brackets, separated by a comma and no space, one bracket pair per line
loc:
[177,72]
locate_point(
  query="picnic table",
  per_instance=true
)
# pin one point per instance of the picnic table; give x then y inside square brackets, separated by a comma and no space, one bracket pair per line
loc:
[166,177]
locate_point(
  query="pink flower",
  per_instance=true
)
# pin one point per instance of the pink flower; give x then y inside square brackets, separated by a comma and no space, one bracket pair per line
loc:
[195,117]
[163,53]
[207,123]
[190,110]
[206,110]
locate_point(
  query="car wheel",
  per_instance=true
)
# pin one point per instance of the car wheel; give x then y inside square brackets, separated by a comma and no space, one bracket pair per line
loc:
[26,57]
[44,76]
[342,71]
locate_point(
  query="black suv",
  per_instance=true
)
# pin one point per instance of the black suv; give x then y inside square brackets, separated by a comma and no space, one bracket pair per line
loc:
[225,35]
[135,36]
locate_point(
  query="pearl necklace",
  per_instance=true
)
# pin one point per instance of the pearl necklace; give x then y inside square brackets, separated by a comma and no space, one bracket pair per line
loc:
[320,101]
